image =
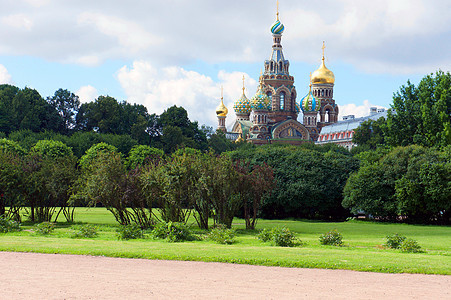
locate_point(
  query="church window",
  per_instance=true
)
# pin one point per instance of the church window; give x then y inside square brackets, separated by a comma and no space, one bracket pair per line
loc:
[322,93]
[282,100]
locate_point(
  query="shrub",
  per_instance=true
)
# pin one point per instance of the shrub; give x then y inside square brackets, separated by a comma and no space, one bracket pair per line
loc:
[394,241]
[222,235]
[7,225]
[410,245]
[129,232]
[84,231]
[265,235]
[282,237]
[172,232]
[45,228]
[333,238]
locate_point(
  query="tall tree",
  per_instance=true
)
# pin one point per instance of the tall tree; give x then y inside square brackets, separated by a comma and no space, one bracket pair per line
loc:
[67,105]
[421,115]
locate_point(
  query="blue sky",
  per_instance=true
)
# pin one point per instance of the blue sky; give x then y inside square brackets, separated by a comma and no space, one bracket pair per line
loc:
[161,53]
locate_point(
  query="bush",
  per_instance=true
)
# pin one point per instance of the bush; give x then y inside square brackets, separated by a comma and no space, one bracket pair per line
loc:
[84,231]
[265,235]
[7,225]
[172,232]
[394,241]
[410,245]
[282,237]
[45,228]
[129,232]
[222,235]
[333,238]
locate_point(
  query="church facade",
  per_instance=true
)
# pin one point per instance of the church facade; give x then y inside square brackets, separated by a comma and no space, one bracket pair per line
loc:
[271,115]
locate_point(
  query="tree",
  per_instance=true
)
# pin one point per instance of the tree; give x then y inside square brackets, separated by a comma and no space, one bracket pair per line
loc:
[421,115]
[141,154]
[67,105]
[370,133]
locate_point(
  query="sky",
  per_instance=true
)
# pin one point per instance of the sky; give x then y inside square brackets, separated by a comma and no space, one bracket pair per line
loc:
[179,52]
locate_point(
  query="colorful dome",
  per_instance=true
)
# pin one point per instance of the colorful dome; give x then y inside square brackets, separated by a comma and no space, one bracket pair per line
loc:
[277,27]
[310,103]
[242,105]
[260,101]
[221,110]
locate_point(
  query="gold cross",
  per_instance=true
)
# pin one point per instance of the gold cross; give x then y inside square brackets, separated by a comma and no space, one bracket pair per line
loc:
[277,10]
[323,47]
[222,93]
[243,84]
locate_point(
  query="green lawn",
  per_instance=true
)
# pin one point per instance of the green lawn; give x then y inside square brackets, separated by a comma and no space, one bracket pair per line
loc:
[363,249]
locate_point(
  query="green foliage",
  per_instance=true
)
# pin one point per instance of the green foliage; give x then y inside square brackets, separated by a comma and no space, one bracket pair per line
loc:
[11,147]
[129,232]
[52,149]
[395,241]
[410,245]
[222,235]
[172,232]
[421,114]
[413,182]
[370,133]
[142,154]
[7,225]
[45,228]
[84,231]
[282,237]
[94,152]
[309,179]
[332,238]
[67,105]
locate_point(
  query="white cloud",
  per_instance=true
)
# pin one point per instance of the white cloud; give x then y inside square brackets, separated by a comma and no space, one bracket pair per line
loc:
[356,110]
[129,34]
[5,78]
[18,21]
[87,93]
[158,89]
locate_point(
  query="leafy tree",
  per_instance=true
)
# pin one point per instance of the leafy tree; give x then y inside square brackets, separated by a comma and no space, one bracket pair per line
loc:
[92,153]
[421,115]
[7,121]
[219,143]
[11,147]
[67,105]
[52,149]
[412,182]
[370,133]
[140,153]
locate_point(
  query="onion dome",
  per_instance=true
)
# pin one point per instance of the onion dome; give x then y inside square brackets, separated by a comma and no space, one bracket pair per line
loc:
[221,110]
[242,105]
[277,27]
[323,74]
[260,101]
[309,103]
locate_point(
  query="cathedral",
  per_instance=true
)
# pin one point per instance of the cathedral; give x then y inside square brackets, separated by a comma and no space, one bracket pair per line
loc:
[271,115]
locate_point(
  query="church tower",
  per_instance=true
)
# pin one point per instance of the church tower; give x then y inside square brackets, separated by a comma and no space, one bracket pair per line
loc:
[221,113]
[242,107]
[277,84]
[323,81]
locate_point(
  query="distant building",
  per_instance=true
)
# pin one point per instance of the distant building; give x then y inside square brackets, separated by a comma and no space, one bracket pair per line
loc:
[270,116]
[341,132]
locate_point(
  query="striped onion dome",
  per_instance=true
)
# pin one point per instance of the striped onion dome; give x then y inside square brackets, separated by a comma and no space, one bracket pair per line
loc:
[310,103]
[277,27]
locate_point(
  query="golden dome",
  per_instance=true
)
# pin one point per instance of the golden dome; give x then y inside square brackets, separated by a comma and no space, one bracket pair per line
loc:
[323,74]
[221,110]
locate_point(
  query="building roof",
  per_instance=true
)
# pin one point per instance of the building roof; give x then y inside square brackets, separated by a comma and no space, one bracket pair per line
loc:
[351,124]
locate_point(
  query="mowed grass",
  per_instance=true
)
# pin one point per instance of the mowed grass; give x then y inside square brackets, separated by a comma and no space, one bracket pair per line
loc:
[363,250]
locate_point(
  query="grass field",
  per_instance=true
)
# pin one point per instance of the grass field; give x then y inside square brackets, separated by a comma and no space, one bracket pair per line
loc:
[363,250]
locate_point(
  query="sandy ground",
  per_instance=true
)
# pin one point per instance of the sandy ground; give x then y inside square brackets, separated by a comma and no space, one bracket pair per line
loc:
[54,276]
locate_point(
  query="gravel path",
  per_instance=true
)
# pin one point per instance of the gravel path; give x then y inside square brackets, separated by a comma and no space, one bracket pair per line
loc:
[54,276]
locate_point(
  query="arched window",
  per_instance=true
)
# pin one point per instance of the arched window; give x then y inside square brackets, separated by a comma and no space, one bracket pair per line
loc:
[269,94]
[322,93]
[282,100]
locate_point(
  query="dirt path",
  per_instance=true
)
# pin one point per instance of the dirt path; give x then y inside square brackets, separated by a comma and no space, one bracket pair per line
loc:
[53,276]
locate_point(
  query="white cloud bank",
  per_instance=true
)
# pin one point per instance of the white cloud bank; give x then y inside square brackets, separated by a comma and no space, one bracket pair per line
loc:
[87,93]
[160,88]
[5,77]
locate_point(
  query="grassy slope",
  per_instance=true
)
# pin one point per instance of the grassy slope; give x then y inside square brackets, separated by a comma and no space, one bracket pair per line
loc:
[362,252]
